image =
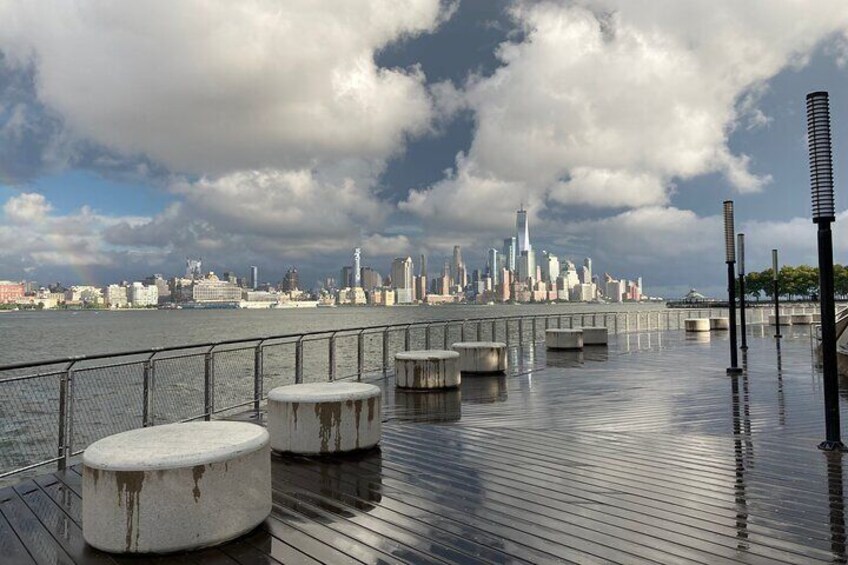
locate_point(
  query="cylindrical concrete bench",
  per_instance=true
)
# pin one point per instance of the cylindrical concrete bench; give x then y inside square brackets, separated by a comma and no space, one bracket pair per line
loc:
[802,319]
[719,324]
[481,357]
[318,418]
[597,335]
[175,487]
[564,338]
[785,320]
[697,324]
[427,370]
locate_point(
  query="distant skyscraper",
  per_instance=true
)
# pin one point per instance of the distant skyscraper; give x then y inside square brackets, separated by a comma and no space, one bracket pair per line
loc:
[357,268]
[509,254]
[402,271]
[550,267]
[193,269]
[458,272]
[290,282]
[346,277]
[587,262]
[371,279]
[522,230]
[254,277]
[492,265]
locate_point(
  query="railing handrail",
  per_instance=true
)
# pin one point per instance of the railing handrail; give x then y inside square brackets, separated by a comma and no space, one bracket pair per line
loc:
[298,335]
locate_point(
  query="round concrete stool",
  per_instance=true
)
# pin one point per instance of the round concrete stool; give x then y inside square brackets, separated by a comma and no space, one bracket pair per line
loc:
[697,324]
[802,319]
[321,418]
[785,320]
[719,324]
[595,335]
[427,370]
[481,356]
[175,487]
[564,339]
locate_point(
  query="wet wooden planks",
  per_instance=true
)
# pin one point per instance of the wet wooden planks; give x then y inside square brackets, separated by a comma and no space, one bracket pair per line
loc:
[643,453]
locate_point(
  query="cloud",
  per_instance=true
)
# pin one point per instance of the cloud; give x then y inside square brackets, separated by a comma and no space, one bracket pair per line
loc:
[610,103]
[33,236]
[208,87]
[27,208]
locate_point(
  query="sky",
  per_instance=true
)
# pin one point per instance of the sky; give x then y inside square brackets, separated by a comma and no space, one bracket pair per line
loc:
[285,133]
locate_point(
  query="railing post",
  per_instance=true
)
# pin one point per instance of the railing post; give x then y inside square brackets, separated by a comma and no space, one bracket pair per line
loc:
[547,323]
[360,354]
[494,330]
[520,331]
[147,385]
[479,334]
[257,377]
[406,338]
[298,361]
[535,333]
[385,351]
[506,331]
[65,416]
[331,356]
[427,336]
[445,335]
[559,321]
[209,384]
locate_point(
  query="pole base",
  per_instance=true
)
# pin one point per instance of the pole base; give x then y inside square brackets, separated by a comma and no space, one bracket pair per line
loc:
[734,370]
[832,446]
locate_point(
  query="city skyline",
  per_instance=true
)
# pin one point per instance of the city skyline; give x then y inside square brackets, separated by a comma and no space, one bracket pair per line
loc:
[429,126]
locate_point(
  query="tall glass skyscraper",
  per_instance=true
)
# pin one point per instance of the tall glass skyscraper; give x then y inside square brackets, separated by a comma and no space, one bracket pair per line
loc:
[509,253]
[522,230]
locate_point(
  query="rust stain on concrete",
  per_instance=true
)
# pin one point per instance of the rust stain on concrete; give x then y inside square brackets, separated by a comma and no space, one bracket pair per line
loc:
[129,485]
[329,416]
[197,472]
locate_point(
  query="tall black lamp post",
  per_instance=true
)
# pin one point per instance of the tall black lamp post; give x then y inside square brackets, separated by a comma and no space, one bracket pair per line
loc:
[821,184]
[776,291]
[740,246]
[730,258]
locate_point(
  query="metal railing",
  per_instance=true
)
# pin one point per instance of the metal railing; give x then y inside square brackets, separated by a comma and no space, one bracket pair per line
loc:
[50,411]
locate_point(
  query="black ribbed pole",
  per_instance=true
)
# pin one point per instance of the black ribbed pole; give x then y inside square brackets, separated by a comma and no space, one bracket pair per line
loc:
[824,213]
[730,258]
[740,245]
[776,290]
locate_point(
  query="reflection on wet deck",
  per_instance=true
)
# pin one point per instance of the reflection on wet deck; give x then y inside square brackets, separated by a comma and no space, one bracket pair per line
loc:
[643,452]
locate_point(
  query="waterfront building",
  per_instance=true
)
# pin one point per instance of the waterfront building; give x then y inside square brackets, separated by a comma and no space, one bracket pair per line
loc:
[82,295]
[140,296]
[254,277]
[421,287]
[587,271]
[162,287]
[116,296]
[11,291]
[522,229]
[370,279]
[291,281]
[584,292]
[615,290]
[213,290]
[503,288]
[230,277]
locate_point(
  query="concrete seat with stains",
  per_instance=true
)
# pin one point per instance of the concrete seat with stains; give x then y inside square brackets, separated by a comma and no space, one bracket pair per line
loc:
[481,357]
[175,487]
[323,418]
[564,338]
[696,324]
[719,323]
[595,335]
[427,370]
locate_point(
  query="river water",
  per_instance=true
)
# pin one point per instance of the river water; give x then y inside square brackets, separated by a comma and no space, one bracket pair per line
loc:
[35,336]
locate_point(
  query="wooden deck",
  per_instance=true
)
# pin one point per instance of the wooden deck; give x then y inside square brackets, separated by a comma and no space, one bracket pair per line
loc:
[645,453]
